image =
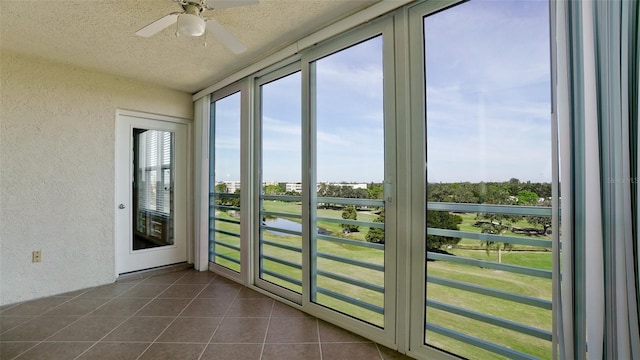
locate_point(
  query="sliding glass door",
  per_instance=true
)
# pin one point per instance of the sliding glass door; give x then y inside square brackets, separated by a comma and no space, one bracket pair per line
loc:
[225,211]
[488,234]
[347,212]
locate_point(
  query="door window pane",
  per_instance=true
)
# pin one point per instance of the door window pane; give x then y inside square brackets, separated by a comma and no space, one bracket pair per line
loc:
[152,188]
[224,183]
[488,123]
[347,220]
[281,202]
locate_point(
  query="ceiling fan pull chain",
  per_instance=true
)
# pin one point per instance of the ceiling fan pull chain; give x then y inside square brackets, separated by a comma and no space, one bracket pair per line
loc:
[205,39]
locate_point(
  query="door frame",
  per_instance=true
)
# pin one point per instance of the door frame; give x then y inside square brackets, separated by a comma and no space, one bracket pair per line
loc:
[188,180]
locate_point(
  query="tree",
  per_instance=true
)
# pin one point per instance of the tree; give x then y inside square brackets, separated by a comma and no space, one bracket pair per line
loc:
[376,235]
[526,197]
[375,191]
[442,220]
[221,188]
[349,213]
[271,190]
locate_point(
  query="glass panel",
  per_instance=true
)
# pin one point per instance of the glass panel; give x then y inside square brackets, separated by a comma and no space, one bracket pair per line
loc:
[489,142]
[224,183]
[152,188]
[347,244]
[281,209]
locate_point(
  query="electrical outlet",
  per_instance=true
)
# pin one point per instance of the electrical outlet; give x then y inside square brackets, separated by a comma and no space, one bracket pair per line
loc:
[36,256]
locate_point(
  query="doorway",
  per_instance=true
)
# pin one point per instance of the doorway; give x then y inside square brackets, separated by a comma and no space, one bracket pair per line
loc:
[151,191]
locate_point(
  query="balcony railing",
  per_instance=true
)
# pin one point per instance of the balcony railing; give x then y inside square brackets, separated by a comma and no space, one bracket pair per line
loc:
[453,316]
[354,284]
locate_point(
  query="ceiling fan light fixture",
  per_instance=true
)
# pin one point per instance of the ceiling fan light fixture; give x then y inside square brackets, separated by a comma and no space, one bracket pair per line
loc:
[191,25]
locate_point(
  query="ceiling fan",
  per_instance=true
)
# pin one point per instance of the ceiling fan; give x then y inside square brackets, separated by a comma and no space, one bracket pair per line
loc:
[191,22]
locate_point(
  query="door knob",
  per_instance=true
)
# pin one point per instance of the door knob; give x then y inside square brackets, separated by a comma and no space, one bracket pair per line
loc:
[121,206]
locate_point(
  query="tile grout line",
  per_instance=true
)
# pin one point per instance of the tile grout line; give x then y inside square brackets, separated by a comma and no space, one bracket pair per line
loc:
[176,317]
[319,339]
[221,320]
[127,318]
[264,341]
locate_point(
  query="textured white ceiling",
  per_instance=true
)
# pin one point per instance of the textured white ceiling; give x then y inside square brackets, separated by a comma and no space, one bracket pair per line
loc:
[99,35]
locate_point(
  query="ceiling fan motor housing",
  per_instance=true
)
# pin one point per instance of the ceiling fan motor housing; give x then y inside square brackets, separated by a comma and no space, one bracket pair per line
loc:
[191,23]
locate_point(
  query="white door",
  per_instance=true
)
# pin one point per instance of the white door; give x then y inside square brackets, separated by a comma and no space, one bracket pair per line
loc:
[151,180]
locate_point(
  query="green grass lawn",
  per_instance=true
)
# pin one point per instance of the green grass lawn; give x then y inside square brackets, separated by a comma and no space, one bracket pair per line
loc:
[505,281]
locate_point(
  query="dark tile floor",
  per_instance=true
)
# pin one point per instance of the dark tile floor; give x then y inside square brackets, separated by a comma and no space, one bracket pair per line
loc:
[176,315]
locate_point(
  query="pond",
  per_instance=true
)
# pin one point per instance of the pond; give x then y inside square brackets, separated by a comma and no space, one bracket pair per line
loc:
[285,224]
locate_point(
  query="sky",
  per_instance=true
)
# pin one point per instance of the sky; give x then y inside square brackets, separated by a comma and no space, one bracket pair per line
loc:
[487,104]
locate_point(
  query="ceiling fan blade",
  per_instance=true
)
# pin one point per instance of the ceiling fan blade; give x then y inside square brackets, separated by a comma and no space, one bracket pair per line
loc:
[158,25]
[223,4]
[225,37]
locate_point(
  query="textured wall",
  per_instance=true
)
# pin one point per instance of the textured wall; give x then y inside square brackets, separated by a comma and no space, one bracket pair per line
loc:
[57,139]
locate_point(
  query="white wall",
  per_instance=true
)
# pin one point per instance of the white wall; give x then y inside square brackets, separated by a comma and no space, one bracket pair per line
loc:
[57,134]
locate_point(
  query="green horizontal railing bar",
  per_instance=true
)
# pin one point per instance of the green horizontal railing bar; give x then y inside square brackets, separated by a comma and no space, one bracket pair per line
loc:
[281,277]
[338,240]
[282,246]
[489,346]
[232,221]
[282,262]
[229,258]
[281,230]
[214,195]
[350,201]
[491,237]
[503,323]
[379,225]
[286,198]
[348,280]
[226,232]
[350,261]
[228,246]
[493,209]
[482,290]
[280,214]
[516,269]
[350,300]
[224,207]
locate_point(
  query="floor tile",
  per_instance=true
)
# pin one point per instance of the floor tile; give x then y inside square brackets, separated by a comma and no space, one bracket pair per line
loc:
[181,291]
[36,307]
[350,351]
[9,350]
[389,354]
[9,322]
[55,351]
[145,290]
[90,328]
[121,307]
[241,330]
[251,308]
[246,293]
[292,330]
[168,278]
[78,306]
[332,333]
[203,278]
[115,351]
[196,330]
[38,328]
[207,307]
[139,329]
[292,352]
[108,291]
[164,307]
[173,352]
[232,351]
[282,310]
[219,291]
